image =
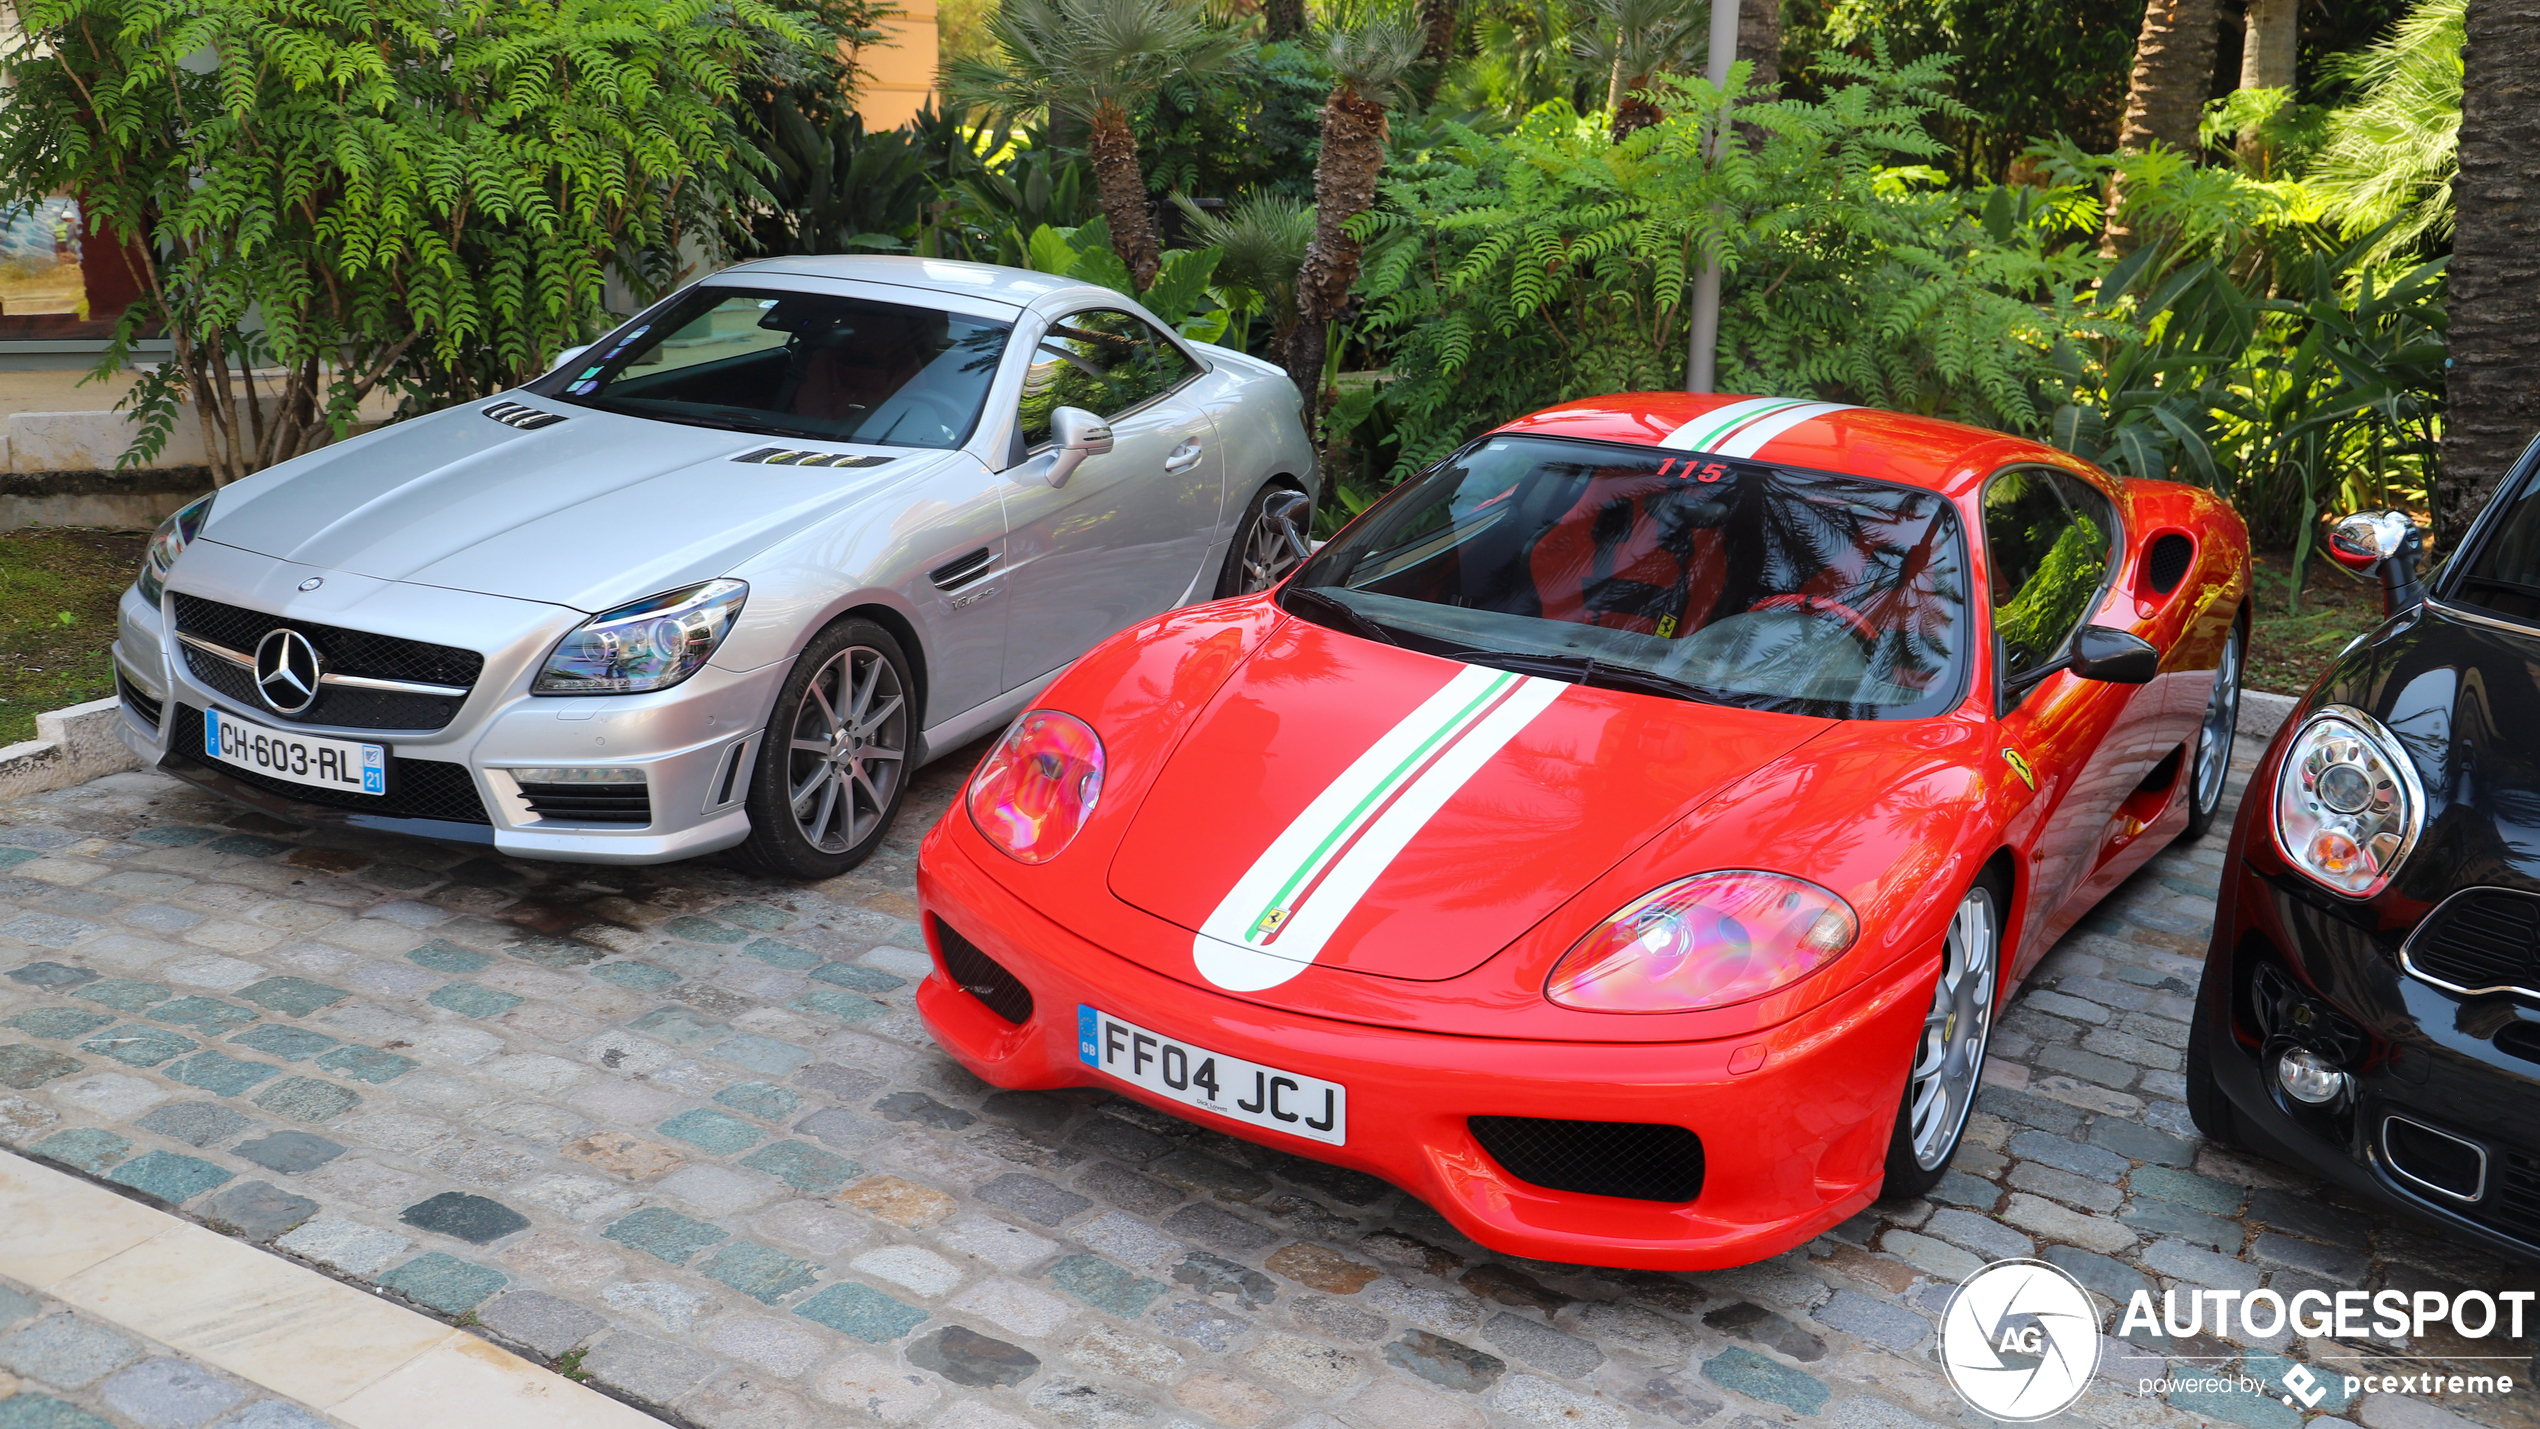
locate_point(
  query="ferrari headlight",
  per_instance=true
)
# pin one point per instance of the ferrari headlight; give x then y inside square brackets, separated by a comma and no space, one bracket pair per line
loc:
[168,543]
[2347,802]
[651,644]
[1705,941]
[1038,786]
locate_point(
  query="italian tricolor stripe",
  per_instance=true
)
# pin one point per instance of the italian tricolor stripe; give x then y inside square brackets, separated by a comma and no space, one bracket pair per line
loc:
[1273,923]
[1740,429]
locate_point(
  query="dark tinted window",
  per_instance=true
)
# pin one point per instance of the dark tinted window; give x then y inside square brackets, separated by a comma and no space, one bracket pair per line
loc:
[795,364]
[1747,584]
[2503,574]
[1104,362]
[2047,536]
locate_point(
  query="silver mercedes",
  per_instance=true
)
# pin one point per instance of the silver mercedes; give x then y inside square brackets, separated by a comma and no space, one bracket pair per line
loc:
[724,578]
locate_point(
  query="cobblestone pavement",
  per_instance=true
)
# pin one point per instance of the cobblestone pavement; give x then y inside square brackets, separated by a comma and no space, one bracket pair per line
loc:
[679,1131]
[60,1369]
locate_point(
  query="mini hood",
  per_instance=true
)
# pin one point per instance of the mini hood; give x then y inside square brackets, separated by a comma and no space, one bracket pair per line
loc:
[1347,804]
[588,512]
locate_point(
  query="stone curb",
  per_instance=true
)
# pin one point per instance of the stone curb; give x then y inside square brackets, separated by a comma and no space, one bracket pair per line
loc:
[2262,714]
[71,746]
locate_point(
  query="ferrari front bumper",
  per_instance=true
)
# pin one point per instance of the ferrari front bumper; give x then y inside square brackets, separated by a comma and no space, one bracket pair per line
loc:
[1794,1140]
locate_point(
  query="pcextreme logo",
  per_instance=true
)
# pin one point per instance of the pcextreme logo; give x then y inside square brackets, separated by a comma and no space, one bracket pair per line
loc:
[2020,1340]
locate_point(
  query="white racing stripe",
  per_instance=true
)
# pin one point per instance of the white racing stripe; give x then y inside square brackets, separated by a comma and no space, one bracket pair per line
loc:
[1750,439]
[1274,922]
[1741,428]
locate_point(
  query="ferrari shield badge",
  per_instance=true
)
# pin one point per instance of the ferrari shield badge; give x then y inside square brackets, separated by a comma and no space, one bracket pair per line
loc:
[2019,766]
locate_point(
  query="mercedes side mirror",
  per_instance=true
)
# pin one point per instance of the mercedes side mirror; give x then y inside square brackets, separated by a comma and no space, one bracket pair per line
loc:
[569,354]
[1075,434]
[2386,541]
[2099,653]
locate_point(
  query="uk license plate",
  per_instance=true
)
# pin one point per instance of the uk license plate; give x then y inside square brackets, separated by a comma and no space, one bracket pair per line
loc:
[338,764]
[1229,1086]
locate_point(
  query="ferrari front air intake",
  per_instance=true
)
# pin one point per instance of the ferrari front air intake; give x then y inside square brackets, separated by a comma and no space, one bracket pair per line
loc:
[983,977]
[1636,1160]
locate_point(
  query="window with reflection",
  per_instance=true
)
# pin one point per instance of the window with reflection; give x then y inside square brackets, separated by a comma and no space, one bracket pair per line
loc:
[1103,361]
[2048,537]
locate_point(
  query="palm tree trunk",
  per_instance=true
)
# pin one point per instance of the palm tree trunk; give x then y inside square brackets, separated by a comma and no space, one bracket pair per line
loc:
[1354,135]
[1122,186]
[2173,68]
[1283,19]
[2271,41]
[1759,43]
[2491,405]
[1437,45]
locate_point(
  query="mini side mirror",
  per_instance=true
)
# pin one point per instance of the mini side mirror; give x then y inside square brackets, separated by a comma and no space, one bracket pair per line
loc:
[2386,540]
[1075,434]
[2114,657]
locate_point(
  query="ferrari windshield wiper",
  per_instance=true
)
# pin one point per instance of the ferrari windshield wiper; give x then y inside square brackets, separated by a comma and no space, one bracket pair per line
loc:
[1347,615]
[1586,670]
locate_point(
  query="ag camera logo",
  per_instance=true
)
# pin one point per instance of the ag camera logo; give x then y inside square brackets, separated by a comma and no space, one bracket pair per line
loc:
[2020,1340]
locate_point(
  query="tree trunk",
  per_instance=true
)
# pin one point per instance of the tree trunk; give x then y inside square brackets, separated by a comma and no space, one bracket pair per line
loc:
[1437,45]
[1283,19]
[2173,68]
[1759,43]
[1354,134]
[1123,189]
[2271,41]
[2491,405]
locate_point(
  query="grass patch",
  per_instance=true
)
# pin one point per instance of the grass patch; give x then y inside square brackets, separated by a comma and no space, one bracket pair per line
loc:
[58,588]
[2288,652]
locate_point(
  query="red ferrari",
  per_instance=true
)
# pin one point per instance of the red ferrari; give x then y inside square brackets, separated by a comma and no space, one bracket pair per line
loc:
[1622,835]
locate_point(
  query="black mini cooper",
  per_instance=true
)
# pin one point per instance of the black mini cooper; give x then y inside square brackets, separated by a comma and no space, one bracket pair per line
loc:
[2371,1002]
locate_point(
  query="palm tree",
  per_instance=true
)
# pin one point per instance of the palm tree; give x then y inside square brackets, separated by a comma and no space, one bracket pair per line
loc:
[2391,155]
[1630,40]
[1260,240]
[1095,61]
[2173,71]
[1368,62]
[2495,307]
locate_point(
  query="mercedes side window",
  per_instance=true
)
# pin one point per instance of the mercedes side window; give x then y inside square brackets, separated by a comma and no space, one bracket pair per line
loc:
[2048,536]
[1101,360]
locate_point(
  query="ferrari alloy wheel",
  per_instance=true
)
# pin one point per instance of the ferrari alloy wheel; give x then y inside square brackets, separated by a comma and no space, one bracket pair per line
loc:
[1940,1087]
[834,765]
[1275,538]
[2212,767]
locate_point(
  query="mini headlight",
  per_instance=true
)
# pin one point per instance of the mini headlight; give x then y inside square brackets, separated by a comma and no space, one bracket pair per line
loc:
[168,543]
[2347,803]
[651,644]
[1705,941]
[1038,786]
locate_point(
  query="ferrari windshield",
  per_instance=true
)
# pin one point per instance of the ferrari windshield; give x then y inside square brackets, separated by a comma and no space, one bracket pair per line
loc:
[1646,569]
[795,365]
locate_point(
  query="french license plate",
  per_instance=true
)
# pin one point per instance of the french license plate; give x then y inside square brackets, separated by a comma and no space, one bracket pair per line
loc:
[337,764]
[1229,1086]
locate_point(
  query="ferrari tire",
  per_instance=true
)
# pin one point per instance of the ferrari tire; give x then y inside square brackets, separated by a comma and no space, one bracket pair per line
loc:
[1274,538]
[1948,1061]
[834,765]
[2207,1106]
[2209,770]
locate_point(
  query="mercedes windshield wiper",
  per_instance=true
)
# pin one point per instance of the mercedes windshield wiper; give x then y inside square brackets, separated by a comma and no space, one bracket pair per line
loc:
[1587,670]
[1346,614]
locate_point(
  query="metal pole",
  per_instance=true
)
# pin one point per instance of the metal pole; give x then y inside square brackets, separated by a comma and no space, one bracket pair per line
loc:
[1703,354]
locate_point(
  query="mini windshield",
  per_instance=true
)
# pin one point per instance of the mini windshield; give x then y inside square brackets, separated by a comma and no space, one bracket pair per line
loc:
[1644,569]
[795,365]
[2503,570]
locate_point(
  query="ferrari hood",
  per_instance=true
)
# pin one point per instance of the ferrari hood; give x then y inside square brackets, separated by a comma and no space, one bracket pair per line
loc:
[591,511]
[1347,804]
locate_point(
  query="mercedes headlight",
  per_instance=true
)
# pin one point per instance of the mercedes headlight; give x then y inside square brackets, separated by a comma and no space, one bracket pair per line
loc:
[651,644]
[2347,803]
[168,543]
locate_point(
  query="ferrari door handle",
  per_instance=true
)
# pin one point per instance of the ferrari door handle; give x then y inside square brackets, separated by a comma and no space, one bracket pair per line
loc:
[1183,457]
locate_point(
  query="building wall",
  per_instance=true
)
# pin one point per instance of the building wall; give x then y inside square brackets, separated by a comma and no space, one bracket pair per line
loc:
[900,76]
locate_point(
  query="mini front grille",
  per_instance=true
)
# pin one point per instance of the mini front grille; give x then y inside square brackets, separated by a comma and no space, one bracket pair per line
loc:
[2434,1160]
[1635,1160]
[2166,564]
[983,977]
[787,456]
[961,570]
[2480,939]
[417,788]
[149,709]
[591,803]
[2512,1200]
[523,416]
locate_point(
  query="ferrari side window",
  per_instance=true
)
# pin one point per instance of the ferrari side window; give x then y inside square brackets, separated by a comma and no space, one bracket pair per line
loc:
[1101,360]
[2048,535]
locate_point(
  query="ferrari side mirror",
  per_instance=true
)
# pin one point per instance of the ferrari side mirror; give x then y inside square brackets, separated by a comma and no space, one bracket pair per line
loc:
[1075,434]
[2114,657]
[2387,541]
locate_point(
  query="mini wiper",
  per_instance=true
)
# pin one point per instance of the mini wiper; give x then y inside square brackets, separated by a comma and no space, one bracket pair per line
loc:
[1333,606]
[1586,670]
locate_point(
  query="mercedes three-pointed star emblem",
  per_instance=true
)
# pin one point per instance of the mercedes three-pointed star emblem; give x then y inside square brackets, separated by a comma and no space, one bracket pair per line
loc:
[287,670]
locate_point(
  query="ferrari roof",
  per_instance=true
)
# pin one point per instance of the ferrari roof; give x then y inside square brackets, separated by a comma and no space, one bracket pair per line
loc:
[1828,436]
